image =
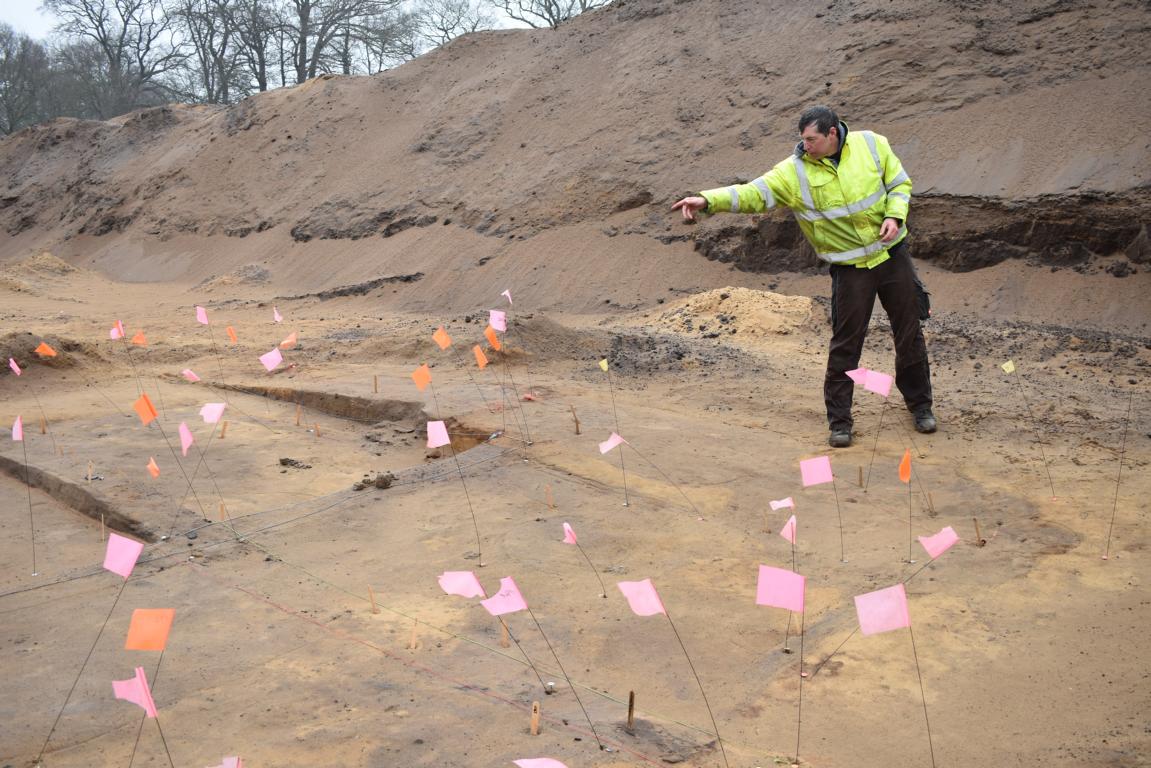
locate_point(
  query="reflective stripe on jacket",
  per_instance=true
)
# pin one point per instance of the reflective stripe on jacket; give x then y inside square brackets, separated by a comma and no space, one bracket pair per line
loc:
[839,209]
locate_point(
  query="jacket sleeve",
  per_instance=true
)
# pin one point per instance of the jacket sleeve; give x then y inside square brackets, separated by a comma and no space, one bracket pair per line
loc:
[895,181]
[767,191]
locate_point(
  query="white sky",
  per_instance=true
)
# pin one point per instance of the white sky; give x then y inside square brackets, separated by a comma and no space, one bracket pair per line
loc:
[25,16]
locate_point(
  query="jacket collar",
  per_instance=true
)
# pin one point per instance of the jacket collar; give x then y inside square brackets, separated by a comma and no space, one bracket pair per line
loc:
[842,142]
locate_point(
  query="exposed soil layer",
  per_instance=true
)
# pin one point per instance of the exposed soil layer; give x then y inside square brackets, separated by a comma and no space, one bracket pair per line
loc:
[76,497]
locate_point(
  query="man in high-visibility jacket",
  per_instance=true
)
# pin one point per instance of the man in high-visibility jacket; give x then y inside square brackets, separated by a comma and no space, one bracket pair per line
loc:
[850,196]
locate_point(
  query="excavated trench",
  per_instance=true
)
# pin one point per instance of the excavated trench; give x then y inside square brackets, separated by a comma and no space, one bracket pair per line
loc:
[962,234]
[76,497]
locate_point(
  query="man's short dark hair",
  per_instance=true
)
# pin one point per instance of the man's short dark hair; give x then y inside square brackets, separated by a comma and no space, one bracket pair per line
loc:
[824,118]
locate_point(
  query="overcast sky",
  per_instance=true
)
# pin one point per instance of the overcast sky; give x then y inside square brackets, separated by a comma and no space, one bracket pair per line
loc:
[25,16]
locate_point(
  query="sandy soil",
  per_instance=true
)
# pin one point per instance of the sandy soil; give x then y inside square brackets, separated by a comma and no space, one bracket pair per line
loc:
[1033,650]
[370,211]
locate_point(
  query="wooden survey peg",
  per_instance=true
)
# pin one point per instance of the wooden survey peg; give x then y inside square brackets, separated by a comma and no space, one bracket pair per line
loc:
[372,600]
[223,430]
[505,641]
[43,425]
[630,726]
[317,428]
[299,410]
[979,540]
[535,726]
[414,641]
[575,418]
[375,384]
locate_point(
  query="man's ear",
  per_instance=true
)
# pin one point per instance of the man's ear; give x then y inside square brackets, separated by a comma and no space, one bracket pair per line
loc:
[833,131]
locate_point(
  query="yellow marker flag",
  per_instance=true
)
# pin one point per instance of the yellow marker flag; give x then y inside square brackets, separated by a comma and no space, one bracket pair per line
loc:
[1008,367]
[603,365]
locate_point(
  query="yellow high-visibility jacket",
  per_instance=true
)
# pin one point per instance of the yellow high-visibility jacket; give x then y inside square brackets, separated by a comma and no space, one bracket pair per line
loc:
[839,209]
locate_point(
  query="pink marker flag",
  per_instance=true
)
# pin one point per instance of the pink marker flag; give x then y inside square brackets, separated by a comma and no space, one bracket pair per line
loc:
[498,319]
[190,375]
[872,381]
[117,331]
[18,430]
[815,471]
[462,583]
[569,535]
[186,438]
[882,610]
[201,315]
[507,295]
[15,368]
[788,503]
[939,543]
[780,588]
[879,383]
[610,443]
[276,316]
[507,600]
[437,434]
[271,359]
[538,762]
[642,597]
[788,530]
[136,691]
[211,412]
[121,555]
[229,762]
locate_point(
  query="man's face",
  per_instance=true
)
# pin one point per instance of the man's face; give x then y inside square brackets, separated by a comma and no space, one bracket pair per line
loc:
[818,146]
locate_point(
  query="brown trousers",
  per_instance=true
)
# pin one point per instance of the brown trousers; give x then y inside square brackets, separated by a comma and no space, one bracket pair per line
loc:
[853,292]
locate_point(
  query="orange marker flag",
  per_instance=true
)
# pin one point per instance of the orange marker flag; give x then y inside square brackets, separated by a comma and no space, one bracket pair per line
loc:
[44,350]
[441,338]
[144,409]
[153,468]
[290,342]
[905,467]
[231,333]
[149,629]
[139,339]
[481,358]
[490,335]
[422,376]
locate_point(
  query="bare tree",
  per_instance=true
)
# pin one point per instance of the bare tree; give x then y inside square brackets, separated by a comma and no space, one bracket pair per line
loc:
[546,13]
[316,24]
[25,70]
[133,38]
[444,20]
[258,25]
[210,31]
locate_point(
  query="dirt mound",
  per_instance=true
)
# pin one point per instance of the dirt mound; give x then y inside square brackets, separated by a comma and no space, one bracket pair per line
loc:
[536,131]
[21,345]
[750,314]
[32,274]
[248,274]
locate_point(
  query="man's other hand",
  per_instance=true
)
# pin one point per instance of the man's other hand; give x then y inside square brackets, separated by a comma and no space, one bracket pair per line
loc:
[888,232]
[689,205]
